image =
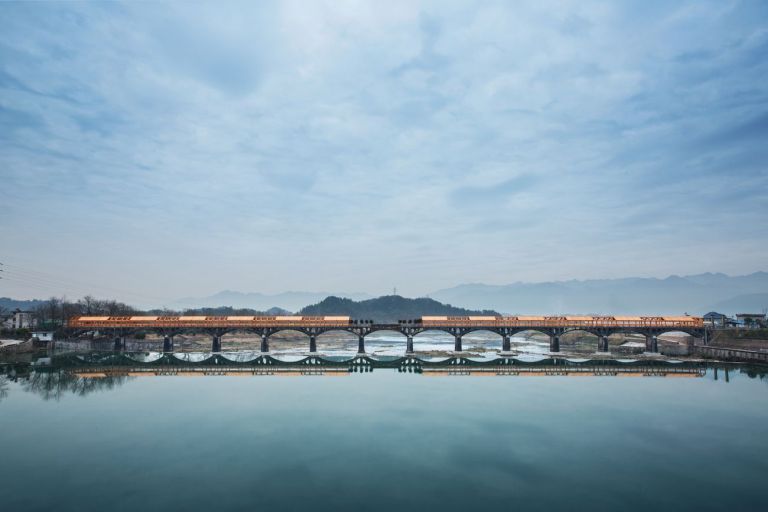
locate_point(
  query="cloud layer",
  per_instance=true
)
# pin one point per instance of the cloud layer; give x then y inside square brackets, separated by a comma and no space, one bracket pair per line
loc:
[178,149]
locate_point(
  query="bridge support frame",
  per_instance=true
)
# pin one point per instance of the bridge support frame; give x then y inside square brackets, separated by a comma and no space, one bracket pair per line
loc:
[506,344]
[409,344]
[216,344]
[651,343]
[602,344]
[457,343]
[168,343]
[264,343]
[312,343]
[554,343]
[361,344]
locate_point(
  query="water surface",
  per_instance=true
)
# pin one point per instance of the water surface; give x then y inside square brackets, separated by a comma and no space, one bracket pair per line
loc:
[384,440]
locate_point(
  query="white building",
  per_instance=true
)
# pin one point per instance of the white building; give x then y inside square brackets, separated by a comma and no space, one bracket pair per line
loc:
[19,320]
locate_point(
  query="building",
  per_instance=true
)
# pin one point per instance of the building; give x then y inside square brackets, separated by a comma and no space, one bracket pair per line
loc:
[20,320]
[43,335]
[750,319]
[715,319]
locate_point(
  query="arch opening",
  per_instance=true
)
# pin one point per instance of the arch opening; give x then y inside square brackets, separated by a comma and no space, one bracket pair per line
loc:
[482,341]
[530,340]
[582,341]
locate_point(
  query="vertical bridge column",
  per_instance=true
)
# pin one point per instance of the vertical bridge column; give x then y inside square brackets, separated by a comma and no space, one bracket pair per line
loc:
[360,344]
[457,343]
[312,343]
[602,345]
[651,343]
[167,343]
[554,343]
[119,343]
[265,343]
[409,344]
[506,345]
[216,345]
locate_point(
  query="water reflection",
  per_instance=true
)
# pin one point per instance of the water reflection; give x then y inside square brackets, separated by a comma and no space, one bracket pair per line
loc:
[51,378]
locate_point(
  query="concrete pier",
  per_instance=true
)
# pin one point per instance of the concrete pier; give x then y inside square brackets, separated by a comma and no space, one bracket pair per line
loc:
[361,344]
[168,344]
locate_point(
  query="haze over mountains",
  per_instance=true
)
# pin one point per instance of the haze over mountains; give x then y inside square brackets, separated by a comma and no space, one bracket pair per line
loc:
[292,301]
[694,294]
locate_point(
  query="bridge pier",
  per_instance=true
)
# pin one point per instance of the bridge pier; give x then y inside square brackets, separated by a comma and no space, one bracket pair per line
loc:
[506,345]
[168,344]
[409,345]
[602,344]
[651,343]
[457,344]
[119,343]
[264,343]
[312,343]
[216,345]
[361,344]
[554,343]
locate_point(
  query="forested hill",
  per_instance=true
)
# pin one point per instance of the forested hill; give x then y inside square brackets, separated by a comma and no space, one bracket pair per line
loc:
[389,308]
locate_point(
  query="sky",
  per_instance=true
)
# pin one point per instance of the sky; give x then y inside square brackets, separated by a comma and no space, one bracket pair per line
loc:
[151,151]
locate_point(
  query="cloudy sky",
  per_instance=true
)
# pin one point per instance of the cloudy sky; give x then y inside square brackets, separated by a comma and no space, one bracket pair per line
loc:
[168,150]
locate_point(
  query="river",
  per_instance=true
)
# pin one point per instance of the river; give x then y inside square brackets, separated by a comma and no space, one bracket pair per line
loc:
[383,440]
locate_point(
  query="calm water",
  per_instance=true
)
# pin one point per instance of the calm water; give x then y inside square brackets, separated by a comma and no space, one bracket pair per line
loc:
[385,441]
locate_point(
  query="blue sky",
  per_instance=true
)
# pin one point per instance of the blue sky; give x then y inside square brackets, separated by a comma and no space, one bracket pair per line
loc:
[180,149]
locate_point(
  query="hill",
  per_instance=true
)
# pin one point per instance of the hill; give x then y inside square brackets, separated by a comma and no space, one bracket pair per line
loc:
[389,308]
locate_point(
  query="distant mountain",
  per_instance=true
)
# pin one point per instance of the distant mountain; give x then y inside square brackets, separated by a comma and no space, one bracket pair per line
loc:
[390,308]
[749,303]
[9,304]
[290,301]
[223,311]
[695,294]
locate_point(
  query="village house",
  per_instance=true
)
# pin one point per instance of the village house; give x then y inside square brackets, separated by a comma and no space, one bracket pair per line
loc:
[753,320]
[19,320]
[715,319]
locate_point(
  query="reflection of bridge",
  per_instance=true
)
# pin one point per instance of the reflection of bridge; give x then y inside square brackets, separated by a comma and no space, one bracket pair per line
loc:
[119,327]
[101,365]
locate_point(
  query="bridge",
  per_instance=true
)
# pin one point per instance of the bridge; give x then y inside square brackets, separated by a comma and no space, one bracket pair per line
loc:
[119,327]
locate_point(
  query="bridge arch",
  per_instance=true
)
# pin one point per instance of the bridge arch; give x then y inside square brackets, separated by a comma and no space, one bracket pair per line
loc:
[480,335]
[578,338]
[345,338]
